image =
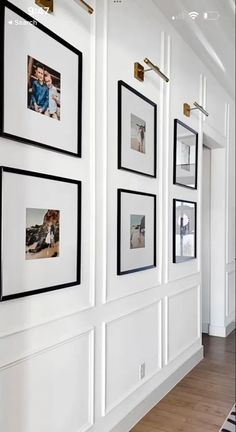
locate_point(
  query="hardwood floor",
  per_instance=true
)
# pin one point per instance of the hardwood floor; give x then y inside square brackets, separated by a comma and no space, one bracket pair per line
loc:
[203,399]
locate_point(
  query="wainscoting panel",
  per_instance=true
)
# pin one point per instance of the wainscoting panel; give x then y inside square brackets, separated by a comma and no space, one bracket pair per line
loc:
[51,390]
[131,341]
[183,321]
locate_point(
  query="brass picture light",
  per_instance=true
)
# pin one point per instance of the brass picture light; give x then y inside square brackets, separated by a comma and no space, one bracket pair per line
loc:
[187,109]
[139,70]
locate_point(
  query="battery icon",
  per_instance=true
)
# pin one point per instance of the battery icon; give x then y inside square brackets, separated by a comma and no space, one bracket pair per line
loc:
[211,15]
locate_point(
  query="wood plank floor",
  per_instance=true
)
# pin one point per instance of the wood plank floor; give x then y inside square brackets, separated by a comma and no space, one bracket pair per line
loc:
[203,399]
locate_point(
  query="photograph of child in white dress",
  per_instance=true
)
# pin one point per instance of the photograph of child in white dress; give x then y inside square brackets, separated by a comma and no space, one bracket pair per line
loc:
[42,233]
[138,131]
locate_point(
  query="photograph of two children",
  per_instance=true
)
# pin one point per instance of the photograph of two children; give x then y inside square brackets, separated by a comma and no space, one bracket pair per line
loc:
[44,89]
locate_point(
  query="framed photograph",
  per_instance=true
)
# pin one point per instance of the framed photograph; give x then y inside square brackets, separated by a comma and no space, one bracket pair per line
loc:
[40,233]
[136,231]
[41,84]
[185,155]
[184,230]
[137,135]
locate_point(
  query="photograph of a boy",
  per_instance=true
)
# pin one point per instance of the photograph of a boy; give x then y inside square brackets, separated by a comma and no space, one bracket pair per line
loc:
[43,89]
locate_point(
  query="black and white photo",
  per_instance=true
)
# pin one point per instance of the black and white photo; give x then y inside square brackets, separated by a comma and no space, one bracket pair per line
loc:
[136,231]
[184,233]
[137,134]
[185,155]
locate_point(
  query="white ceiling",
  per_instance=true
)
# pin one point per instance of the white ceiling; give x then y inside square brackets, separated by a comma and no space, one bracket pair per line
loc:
[211,36]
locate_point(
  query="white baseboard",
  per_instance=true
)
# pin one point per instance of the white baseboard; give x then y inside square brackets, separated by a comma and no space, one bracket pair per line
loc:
[205,327]
[221,331]
[230,327]
[147,404]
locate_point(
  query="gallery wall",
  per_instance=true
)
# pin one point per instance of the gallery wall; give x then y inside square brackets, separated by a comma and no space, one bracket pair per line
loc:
[70,359]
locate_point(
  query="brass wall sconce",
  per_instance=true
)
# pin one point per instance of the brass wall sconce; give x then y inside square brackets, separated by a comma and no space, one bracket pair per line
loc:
[48,5]
[85,6]
[139,70]
[187,109]
[45,4]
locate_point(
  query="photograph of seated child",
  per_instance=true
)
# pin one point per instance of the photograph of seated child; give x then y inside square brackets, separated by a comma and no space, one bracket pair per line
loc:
[43,89]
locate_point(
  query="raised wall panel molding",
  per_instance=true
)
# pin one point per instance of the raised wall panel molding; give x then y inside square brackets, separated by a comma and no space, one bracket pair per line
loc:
[187,282]
[107,407]
[141,276]
[160,155]
[53,321]
[184,277]
[159,392]
[120,68]
[193,338]
[166,330]
[24,344]
[167,147]
[101,150]
[29,368]
[227,185]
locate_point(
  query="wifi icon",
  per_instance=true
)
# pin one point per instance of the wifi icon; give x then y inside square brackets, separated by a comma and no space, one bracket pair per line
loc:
[193,15]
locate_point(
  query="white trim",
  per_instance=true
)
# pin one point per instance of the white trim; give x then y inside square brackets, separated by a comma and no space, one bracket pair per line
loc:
[56,318]
[204,94]
[101,145]
[92,185]
[221,331]
[183,277]
[227,293]
[160,152]
[106,408]
[228,314]
[230,327]
[170,359]
[91,360]
[166,151]
[166,330]
[149,402]
[227,134]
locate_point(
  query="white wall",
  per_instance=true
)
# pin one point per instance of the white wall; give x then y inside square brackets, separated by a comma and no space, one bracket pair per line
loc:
[230,222]
[70,359]
[219,135]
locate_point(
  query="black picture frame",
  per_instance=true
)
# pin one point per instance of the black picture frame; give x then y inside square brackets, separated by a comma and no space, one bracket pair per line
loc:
[181,258]
[121,163]
[187,167]
[153,264]
[77,151]
[77,239]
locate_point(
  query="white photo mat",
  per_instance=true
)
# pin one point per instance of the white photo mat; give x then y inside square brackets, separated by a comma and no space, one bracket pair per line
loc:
[21,192]
[21,41]
[136,204]
[133,103]
[184,230]
[185,155]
